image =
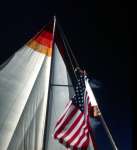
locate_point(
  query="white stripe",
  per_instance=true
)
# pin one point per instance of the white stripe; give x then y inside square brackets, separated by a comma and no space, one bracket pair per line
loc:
[75,129]
[69,125]
[77,138]
[82,141]
[65,117]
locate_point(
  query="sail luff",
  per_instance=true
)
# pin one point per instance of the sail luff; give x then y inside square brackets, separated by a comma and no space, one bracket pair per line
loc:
[46,112]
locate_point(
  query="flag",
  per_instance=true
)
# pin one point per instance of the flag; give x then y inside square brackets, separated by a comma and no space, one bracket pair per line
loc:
[73,127]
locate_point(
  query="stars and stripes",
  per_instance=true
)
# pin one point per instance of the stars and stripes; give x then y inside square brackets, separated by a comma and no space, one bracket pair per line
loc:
[72,128]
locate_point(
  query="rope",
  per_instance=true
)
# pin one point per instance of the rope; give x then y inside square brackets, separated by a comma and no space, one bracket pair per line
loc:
[67,42]
[68,49]
[70,59]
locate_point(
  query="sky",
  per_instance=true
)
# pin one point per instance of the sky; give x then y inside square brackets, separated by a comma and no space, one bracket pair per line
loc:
[98,33]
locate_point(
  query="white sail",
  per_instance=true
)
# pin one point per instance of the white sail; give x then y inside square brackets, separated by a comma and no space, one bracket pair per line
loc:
[24,82]
[24,94]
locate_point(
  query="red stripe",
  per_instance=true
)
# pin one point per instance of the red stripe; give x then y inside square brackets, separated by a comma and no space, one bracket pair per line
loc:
[73,125]
[82,136]
[45,38]
[85,144]
[69,117]
[44,41]
[64,117]
[47,35]
[77,133]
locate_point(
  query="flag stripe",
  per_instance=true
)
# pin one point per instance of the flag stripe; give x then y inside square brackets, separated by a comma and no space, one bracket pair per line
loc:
[79,135]
[76,133]
[69,124]
[65,121]
[83,142]
[73,128]
[83,136]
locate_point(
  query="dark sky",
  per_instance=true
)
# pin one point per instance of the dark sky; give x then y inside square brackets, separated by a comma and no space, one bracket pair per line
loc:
[99,35]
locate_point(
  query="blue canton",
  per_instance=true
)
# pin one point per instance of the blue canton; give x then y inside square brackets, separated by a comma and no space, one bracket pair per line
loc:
[78,99]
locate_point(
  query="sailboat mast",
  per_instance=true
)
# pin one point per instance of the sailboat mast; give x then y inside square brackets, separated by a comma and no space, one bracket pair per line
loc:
[46,121]
[54,26]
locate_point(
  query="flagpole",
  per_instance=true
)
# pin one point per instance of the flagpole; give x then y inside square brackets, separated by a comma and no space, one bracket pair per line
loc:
[54,25]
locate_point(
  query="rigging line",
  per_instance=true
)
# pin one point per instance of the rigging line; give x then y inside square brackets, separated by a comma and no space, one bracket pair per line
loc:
[107,130]
[67,42]
[70,60]
[69,56]
[108,133]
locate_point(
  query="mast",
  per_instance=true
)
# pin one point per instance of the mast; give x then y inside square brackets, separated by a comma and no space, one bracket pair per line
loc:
[46,121]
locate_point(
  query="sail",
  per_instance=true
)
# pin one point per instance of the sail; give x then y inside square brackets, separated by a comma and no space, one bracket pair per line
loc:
[24,82]
[35,87]
[61,91]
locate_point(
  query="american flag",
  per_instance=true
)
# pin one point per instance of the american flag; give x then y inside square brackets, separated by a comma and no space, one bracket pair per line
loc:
[72,128]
